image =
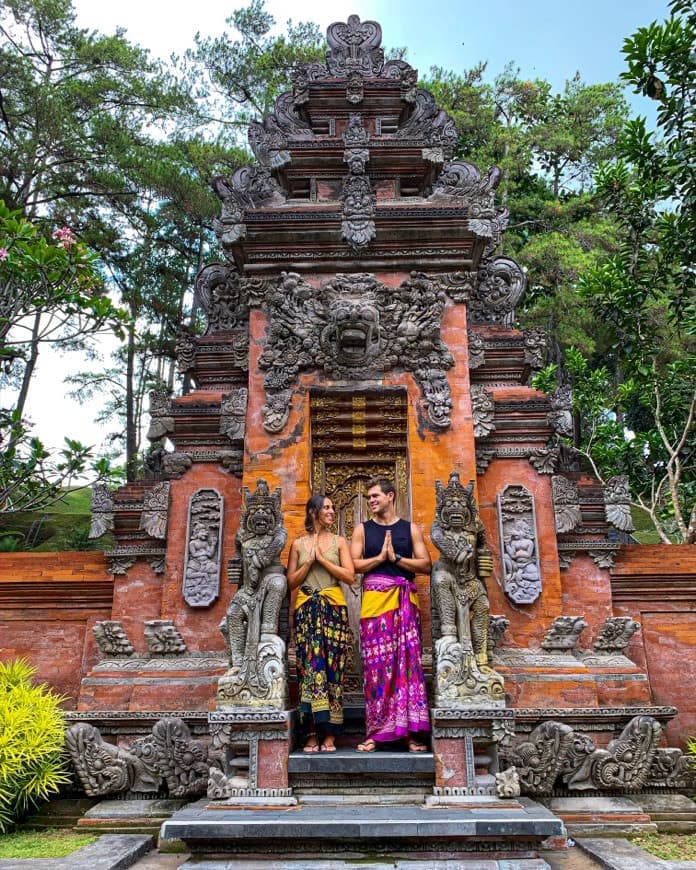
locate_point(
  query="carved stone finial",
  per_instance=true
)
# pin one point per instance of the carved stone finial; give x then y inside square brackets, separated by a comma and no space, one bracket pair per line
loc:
[258,672]
[461,611]
[566,504]
[112,640]
[163,638]
[617,503]
[564,634]
[153,519]
[483,411]
[354,47]
[520,547]
[615,634]
[501,283]
[102,510]
[201,583]
[185,349]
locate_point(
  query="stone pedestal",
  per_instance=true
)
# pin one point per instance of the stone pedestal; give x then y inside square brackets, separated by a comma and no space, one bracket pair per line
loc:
[255,744]
[465,744]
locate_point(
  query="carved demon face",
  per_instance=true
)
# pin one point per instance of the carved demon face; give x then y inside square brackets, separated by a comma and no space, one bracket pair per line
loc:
[260,520]
[455,514]
[353,331]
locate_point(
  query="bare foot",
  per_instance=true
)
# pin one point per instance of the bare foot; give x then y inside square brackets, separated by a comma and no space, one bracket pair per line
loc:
[368,745]
[311,745]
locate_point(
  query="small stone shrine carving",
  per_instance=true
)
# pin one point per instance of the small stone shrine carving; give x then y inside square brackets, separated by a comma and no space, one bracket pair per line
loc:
[163,637]
[169,753]
[112,640]
[564,634]
[258,675]
[461,611]
[201,584]
[102,510]
[153,518]
[353,327]
[617,503]
[483,411]
[615,634]
[520,548]
[566,504]
[233,414]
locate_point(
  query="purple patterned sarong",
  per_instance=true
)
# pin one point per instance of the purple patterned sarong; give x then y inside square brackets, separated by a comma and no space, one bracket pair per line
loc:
[396,702]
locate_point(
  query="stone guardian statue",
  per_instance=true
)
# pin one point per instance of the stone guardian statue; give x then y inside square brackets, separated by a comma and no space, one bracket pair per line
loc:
[461,612]
[258,674]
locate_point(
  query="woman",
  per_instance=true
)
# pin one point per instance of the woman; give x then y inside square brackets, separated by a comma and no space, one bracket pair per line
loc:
[318,561]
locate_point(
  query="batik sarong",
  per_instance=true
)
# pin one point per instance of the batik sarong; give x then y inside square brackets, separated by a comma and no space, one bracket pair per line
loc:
[396,702]
[321,640]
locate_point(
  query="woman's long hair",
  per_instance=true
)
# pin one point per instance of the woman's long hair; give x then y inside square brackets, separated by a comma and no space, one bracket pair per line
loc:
[314,505]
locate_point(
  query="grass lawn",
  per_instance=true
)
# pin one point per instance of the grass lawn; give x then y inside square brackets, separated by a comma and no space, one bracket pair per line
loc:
[42,844]
[669,847]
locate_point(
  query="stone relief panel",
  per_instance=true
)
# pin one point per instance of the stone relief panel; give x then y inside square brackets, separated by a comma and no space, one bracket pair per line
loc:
[258,671]
[201,583]
[519,544]
[355,328]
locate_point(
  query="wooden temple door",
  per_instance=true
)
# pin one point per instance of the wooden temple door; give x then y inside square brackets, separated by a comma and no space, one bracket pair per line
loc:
[356,436]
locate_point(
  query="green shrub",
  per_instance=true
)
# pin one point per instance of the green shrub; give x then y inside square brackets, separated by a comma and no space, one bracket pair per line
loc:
[32,728]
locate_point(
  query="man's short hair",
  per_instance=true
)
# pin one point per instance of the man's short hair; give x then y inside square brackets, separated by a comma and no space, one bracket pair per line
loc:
[383,483]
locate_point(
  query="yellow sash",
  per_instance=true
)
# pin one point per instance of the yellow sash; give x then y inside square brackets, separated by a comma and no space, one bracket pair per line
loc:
[334,594]
[376,603]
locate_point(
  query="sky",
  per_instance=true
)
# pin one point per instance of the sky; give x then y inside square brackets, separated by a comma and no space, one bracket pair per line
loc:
[549,39]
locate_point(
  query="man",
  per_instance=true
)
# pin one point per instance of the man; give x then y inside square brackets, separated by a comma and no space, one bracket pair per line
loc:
[389,552]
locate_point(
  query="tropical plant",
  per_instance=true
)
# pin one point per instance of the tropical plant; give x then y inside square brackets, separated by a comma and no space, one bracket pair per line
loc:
[32,727]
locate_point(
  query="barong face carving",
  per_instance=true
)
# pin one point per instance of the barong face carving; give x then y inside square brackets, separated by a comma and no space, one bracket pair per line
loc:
[519,545]
[257,674]
[461,611]
[358,225]
[353,327]
[201,585]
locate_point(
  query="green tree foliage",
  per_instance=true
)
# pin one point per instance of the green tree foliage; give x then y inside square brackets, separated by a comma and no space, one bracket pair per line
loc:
[32,728]
[638,406]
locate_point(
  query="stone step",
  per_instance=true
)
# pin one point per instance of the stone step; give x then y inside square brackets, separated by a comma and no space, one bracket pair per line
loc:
[498,829]
[349,772]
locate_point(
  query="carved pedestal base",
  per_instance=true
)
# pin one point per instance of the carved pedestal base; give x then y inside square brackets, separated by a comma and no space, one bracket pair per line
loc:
[465,744]
[254,744]
[260,681]
[460,681]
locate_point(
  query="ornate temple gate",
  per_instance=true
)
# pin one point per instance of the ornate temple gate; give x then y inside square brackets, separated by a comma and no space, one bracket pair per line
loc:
[355,436]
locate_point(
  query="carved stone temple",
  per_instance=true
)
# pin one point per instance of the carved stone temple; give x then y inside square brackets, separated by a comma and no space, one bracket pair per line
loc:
[361,322]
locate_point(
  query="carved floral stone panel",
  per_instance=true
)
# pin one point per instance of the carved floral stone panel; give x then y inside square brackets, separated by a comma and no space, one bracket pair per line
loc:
[201,584]
[519,544]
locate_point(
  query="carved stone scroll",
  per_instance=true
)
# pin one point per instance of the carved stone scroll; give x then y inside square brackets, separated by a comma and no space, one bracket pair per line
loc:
[560,416]
[535,346]
[258,671]
[617,503]
[566,504]
[233,414]
[102,510]
[103,768]
[201,584]
[460,608]
[153,519]
[539,759]
[221,294]
[477,350]
[564,634]
[161,416]
[519,545]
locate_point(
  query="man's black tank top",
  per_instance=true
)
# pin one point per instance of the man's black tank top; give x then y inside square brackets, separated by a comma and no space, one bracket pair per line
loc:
[401,541]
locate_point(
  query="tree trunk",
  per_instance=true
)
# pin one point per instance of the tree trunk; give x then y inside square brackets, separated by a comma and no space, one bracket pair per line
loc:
[30,366]
[131,422]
